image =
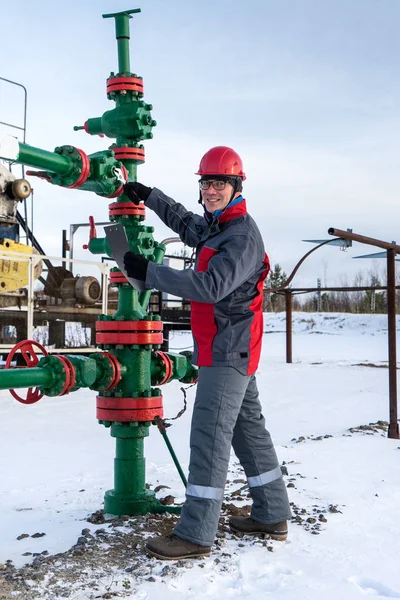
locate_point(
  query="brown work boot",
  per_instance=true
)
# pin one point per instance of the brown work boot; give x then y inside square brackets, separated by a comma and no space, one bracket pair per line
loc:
[247,526]
[174,548]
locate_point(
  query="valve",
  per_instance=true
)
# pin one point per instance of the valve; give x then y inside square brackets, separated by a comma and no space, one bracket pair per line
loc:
[31,360]
[92,232]
[41,174]
[85,128]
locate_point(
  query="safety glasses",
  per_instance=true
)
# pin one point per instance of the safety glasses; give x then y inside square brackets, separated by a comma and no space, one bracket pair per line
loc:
[217,185]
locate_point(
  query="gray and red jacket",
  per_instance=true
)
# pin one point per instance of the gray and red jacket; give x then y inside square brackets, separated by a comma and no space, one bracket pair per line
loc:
[225,288]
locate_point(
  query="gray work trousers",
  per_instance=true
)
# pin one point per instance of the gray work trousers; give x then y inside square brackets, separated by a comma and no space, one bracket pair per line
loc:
[227,412]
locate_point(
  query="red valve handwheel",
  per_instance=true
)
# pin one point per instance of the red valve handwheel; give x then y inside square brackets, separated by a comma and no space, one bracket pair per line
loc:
[31,359]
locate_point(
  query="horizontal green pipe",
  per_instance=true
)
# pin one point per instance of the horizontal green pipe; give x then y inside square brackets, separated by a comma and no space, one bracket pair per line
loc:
[24,377]
[99,246]
[42,159]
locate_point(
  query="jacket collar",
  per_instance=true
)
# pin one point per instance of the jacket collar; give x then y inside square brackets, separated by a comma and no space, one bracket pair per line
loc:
[234,209]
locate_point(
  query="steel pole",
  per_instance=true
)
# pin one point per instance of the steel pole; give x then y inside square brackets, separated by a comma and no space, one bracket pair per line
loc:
[393,431]
[289,329]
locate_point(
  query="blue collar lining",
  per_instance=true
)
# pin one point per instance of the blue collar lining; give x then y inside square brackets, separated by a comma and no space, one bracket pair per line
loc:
[211,216]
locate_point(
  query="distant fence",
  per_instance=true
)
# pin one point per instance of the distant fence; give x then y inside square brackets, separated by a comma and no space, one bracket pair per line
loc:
[289,293]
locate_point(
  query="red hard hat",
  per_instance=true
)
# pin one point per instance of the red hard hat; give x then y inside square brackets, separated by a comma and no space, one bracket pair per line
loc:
[221,160]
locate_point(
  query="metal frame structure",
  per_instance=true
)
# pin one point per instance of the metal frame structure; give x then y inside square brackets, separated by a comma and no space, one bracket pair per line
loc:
[23,129]
[32,260]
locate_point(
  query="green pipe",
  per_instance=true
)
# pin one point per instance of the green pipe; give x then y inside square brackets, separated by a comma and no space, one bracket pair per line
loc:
[128,305]
[25,377]
[123,53]
[174,457]
[99,246]
[131,168]
[42,159]
[129,466]
[122,35]
[129,496]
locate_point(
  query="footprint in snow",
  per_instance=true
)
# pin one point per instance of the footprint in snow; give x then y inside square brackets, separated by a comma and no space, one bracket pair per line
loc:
[374,588]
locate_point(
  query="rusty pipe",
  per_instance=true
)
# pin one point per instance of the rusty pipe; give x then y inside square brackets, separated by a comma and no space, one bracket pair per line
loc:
[363,239]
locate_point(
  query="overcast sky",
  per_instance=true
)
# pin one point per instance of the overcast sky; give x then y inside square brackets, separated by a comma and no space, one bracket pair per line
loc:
[307,91]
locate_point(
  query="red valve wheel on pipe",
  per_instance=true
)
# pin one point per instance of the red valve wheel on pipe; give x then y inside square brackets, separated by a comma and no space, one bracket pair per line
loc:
[31,359]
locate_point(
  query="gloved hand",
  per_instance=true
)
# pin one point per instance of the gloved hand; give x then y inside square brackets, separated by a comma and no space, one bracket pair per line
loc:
[136,265]
[136,192]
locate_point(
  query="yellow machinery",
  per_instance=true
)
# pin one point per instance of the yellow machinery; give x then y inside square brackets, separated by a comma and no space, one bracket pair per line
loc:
[13,271]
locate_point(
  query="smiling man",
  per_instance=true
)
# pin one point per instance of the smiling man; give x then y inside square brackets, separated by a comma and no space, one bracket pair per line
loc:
[226,293]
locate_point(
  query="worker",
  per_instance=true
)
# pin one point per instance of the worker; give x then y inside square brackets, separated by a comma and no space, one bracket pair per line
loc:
[226,293]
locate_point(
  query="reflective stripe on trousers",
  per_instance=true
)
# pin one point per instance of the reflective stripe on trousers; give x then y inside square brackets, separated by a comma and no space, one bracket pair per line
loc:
[227,412]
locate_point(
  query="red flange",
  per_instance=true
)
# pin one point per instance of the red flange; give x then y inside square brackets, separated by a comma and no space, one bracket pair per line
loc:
[116,84]
[168,367]
[126,208]
[69,369]
[116,367]
[129,338]
[129,409]
[31,359]
[129,332]
[129,325]
[129,153]
[129,403]
[117,277]
[85,171]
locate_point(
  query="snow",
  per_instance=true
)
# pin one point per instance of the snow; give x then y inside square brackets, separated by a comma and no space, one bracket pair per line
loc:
[57,462]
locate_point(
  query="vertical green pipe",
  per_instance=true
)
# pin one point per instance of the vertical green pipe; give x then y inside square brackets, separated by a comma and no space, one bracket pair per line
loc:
[122,35]
[129,496]
[132,169]
[129,467]
[129,308]
[138,379]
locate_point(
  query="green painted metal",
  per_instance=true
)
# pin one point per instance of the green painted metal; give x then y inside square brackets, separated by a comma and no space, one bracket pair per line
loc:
[21,378]
[182,369]
[64,166]
[128,123]
[122,34]
[129,496]
[129,307]
[174,457]
[105,372]
[99,246]
[86,370]
[42,159]
[131,120]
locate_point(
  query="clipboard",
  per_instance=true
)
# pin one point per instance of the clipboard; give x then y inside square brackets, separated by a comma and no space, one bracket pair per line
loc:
[118,242]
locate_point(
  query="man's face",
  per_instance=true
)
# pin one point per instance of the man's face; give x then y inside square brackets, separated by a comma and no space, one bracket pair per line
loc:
[216,199]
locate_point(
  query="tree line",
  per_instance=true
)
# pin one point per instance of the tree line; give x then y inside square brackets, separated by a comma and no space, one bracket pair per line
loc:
[369,301]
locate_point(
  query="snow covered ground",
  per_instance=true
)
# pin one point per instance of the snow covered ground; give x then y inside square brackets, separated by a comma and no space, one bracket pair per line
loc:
[56,462]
